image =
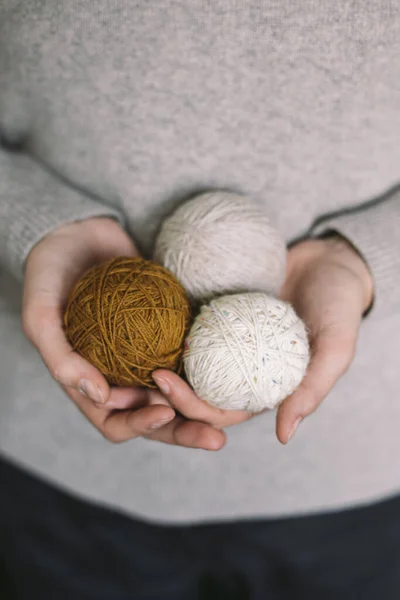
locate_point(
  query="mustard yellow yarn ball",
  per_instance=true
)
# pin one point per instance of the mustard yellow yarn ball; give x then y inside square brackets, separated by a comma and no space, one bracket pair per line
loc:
[128,317]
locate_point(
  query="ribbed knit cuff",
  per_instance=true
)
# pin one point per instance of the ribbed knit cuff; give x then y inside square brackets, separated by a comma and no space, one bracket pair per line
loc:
[375,233]
[29,224]
[33,202]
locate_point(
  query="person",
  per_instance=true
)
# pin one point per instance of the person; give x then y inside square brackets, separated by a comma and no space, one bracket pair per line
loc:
[111,114]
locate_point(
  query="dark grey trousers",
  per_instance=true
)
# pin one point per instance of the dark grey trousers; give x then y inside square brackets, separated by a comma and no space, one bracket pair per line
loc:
[56,547]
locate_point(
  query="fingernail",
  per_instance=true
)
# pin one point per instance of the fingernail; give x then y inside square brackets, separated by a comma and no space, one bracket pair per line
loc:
[160,423]
[295,427]
[92,390]
[162,384]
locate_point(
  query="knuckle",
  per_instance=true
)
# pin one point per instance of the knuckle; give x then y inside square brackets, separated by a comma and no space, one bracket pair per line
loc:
[342,359]
[310,403]
[56,371]
[36,321]
[309,408]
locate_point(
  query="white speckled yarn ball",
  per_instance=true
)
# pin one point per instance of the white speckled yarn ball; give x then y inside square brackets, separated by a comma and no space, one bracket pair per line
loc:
[219,243]
[246,352]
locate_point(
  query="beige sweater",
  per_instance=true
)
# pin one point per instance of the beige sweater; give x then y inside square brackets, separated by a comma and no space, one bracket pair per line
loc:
[124,108]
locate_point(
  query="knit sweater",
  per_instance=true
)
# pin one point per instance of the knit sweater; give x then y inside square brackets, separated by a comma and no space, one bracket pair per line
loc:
[125,108]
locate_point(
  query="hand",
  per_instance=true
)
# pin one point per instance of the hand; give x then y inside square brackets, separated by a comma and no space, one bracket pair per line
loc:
[183,399]
[53,267]
[330,287]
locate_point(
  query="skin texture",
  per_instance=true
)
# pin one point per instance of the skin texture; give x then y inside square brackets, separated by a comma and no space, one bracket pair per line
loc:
[327,282]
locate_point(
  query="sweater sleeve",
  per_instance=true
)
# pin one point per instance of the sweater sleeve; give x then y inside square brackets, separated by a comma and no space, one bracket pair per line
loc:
[373,229]
[33,202]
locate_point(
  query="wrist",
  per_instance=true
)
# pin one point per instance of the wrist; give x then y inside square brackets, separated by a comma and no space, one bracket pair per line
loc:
[98,237]
[344,251]
[91,227]
[335,249]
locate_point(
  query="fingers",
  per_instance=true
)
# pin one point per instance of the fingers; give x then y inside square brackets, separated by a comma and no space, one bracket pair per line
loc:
[176,431]
[129,397]
[43,326]
[154,421]
[190,434]
[184,400]
[122,398]
[333,351]
[120,426]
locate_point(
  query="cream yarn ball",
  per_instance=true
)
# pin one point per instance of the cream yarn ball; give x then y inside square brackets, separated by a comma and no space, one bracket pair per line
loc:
[246,352]
[220,242]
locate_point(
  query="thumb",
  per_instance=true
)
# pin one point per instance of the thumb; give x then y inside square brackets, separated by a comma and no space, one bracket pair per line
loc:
[332,352]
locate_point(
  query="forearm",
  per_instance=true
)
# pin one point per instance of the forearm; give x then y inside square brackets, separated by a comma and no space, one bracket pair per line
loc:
[33,202]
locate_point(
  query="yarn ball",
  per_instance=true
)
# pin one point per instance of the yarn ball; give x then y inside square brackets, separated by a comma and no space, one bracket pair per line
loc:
[219,243]
[128,317]
[246,352]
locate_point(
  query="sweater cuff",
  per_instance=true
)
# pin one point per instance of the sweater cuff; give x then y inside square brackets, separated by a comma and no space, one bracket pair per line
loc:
[28,227]
[375,233]
[34,202]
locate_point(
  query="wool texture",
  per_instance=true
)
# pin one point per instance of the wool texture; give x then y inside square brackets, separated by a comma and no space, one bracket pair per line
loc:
[219,243]
[246,352]
[128,317]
